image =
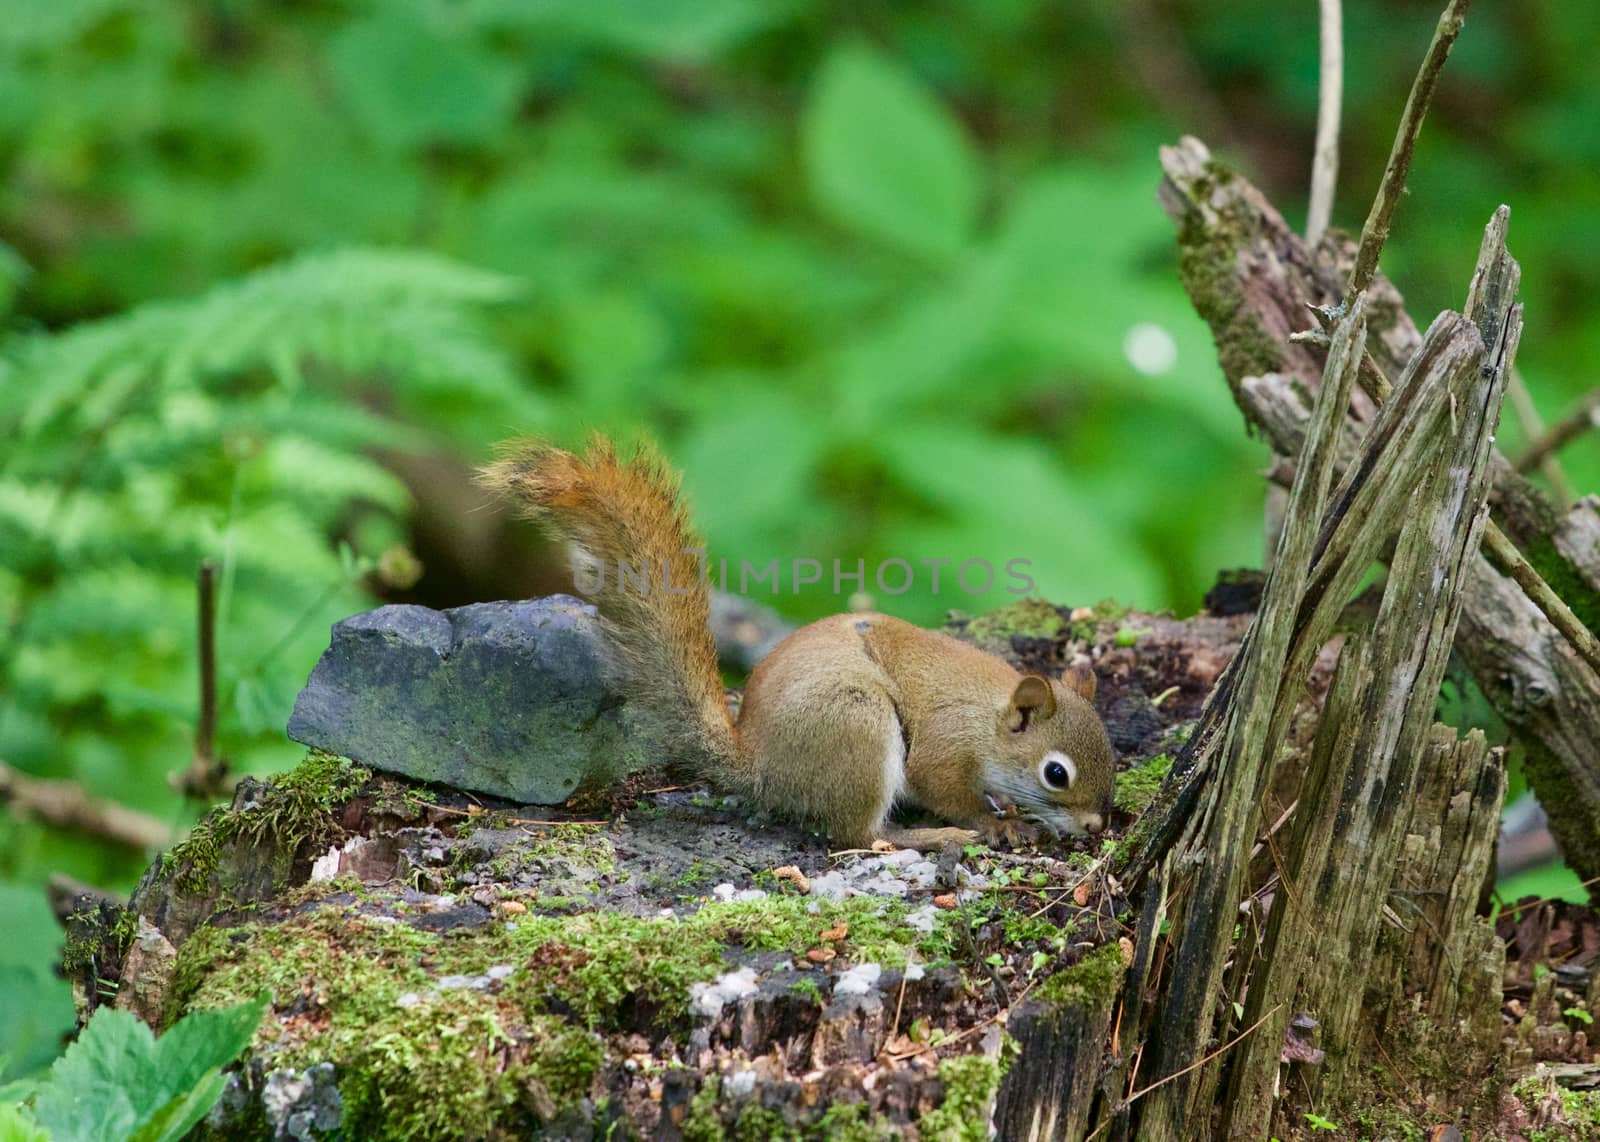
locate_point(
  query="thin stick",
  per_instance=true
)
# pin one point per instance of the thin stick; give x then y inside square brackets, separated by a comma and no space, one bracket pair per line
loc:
[1515,907]
[205,734]
[1506,559]
[1376,230]
[1562,432]
[1533,427]
[509,820]
[899,1004]
[1330,95]
[67,805]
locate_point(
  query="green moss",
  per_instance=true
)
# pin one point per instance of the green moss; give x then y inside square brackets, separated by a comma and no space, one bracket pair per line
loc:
[809,988]
[1025,928]
[1029,618]
[585,845]
[1137,787]
[1105,611]
[697,876]
[851,1122]
[704,1120]
[96,937]
[1093,980]
[584,966]
[1388,1123]
[420,1060]
[1207,264]
[758,1124]
[294,811]
[395,798]
[1578,1116]
[1565,581]
[877,928]
[970,1082]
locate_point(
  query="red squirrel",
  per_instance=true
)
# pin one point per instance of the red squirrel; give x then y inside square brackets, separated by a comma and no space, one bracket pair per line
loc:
[846,717]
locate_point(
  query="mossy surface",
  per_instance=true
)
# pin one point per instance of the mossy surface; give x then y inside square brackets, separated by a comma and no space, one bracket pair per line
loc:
[1565,1115]
[1093,980]
[1028,618]
[509,1022]
[970,1082]
[1137,787]
[1086,629]
[294,811]
[1207,265]
[584,966]
[494,975]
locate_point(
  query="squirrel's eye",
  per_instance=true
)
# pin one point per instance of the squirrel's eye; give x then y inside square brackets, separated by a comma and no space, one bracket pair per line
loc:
[1057,771]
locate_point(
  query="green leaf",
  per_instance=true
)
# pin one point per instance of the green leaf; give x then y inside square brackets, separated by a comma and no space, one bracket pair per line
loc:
[117,1081]
[35,1006]
[884,158]
[91,1089]
[18,1125]
[204,1041]
[686,30]
[1007,499]
[29,24]
[183,1113]
[412,82]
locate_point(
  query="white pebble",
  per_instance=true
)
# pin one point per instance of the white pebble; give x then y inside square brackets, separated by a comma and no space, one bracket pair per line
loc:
[885,885]
[898,859]
[709,999]
[858,980]
[830,886]
[326,866]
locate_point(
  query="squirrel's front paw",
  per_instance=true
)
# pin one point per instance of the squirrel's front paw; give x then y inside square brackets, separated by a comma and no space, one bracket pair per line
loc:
[1011,830]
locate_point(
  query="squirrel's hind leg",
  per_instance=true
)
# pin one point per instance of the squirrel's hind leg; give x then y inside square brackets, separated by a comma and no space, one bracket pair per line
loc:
[840,763]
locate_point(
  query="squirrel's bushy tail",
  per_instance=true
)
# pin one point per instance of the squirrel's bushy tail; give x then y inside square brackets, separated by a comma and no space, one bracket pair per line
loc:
[643,567]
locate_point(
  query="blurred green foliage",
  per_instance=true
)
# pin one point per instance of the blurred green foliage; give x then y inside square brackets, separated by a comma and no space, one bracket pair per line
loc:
[885,280]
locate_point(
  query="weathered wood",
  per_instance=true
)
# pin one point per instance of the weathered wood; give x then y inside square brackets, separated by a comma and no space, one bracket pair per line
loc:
[1182,1029]
[1350,829]
[1419,472]
[1454,962]
[1254,281]
[1048,1093]
[1363,516]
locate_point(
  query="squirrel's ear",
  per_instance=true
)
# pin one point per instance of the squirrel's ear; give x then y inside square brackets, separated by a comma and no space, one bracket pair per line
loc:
[1081,681]
[1032,698]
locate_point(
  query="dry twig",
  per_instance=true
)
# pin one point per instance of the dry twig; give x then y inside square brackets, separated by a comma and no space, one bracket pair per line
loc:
[1506,559]
[1376,230]
[67,805]
[1563,432]
[1330,97]
[1533,427]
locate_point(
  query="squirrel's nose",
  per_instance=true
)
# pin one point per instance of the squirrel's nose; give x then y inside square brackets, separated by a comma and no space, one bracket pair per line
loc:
[1094,823]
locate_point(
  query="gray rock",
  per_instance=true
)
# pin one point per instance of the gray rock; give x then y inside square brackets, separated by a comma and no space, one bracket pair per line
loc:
[516,700]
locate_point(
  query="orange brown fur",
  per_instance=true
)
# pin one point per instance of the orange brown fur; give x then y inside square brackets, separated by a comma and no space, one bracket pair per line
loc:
[846,716]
